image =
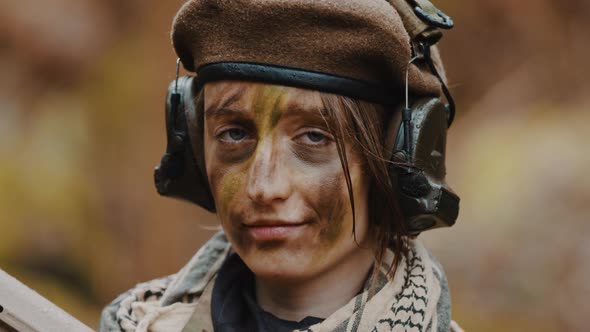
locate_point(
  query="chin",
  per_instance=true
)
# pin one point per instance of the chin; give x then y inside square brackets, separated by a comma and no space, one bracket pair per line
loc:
[280,273]
[279,264]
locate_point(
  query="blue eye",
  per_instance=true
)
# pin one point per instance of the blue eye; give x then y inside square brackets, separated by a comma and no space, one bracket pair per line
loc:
[315,136]
[232,135]
[236,134]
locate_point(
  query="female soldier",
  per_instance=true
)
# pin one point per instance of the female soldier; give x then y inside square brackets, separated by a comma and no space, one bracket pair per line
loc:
[294,132]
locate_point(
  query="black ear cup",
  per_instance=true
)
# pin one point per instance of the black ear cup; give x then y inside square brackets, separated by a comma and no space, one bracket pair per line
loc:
[179,174]
[419,168]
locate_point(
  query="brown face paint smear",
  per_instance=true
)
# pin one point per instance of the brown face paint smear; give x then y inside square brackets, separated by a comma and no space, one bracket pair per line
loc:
[277,119]
[335,207]
[230,185]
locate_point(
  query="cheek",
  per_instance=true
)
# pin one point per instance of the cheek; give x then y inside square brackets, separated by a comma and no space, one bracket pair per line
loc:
[229,185]
[332,204]
[225,182]
[336,225]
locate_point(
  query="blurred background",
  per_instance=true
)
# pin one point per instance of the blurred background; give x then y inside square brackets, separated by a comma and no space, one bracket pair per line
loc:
[82,85]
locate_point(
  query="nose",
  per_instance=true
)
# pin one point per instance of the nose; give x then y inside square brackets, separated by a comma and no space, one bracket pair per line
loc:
[268,179]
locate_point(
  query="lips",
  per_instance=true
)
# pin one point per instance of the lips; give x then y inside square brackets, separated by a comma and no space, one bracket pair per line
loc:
[273,229]
[272,223]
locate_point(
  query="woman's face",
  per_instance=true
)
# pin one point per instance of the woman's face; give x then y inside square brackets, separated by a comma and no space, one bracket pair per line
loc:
[278,182]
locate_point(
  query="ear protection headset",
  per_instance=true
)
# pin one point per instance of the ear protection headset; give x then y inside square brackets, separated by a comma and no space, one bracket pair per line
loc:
[418,156]
[180,174]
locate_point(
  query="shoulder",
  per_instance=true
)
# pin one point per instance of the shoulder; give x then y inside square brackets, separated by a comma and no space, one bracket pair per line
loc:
[119,315]
[175,292]
[443,311]
[427,273]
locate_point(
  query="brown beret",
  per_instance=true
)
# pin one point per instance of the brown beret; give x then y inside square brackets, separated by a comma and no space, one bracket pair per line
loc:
[362,40]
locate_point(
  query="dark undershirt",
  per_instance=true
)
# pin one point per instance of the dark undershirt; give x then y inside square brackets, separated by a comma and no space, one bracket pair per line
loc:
[234,307]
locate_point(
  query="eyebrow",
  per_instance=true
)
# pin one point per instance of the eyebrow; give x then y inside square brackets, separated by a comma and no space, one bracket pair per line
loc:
[227,111]
[292,110]
[297,110]
[225,108]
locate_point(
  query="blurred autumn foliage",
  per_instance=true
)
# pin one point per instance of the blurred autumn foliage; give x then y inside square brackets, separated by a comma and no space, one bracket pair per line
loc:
[82,86]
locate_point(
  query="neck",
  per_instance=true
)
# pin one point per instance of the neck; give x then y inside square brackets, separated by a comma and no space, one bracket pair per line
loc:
[319,296]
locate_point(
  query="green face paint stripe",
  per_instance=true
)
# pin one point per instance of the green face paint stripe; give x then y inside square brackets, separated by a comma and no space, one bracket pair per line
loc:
[230,185]
[275,116]
[267,105]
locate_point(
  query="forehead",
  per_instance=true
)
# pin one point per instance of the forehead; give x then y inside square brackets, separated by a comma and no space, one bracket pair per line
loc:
[252,96]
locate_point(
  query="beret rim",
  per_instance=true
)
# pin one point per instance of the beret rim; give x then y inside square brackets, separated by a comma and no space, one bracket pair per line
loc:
[296,77]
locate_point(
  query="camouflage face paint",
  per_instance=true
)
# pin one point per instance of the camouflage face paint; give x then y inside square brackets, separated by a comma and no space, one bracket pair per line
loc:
[269,159]
[230,185]
[266,103]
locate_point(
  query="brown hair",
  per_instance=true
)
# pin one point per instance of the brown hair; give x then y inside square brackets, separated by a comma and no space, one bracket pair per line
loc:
[364,124]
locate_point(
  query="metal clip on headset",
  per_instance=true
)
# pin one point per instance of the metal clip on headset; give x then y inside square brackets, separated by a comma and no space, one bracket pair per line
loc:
[422,20]
[407,117]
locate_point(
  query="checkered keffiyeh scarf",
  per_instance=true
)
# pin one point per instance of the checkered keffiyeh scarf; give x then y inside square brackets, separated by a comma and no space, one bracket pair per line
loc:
[410,301]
